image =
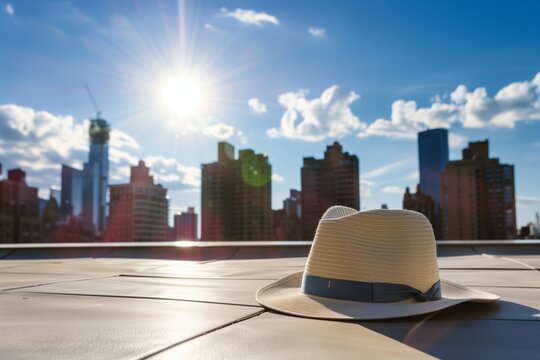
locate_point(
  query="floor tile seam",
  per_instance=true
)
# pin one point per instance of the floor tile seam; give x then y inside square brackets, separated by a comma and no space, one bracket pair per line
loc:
[520,262]
[434,321]
[243,266]
[504,286]
[56,282]
[503,319]
[486,268]
[139,297]
[193,278]
[153,267]
[242,319]
[530,267]
[270,267]
[55,274]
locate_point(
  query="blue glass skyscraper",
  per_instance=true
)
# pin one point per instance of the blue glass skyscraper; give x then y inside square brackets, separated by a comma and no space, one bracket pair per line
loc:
[71,193]
[432,159]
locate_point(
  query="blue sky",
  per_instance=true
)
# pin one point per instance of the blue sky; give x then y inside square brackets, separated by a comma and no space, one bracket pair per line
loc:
[368,74]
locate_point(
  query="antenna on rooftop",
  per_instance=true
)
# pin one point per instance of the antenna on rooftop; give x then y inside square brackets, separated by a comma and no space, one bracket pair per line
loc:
[96,107]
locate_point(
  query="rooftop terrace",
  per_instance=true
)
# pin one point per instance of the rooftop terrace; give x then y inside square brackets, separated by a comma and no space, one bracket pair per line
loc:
[197,300]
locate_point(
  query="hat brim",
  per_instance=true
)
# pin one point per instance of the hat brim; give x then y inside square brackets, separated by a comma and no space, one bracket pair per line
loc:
[285,296]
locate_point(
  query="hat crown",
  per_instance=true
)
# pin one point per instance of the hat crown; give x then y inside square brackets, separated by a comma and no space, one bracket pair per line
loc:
[375,246]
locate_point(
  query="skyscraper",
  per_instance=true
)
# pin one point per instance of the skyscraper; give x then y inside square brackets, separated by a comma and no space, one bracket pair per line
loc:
[71,196]
[138,210]
[236,196]
[185,225]
[432,159]
[478,199]
[96,177]
[333,180]
[84,192]
[19,218]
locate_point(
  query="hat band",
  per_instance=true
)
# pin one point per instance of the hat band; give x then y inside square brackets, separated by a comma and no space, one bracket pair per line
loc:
[366,291]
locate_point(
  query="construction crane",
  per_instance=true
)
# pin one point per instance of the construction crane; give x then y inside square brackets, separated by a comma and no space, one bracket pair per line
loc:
[98,112]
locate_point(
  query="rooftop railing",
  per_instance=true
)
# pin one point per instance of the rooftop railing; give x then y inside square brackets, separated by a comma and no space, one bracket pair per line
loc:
[221,244]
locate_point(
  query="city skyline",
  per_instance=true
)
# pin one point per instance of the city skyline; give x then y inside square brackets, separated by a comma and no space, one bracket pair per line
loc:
[477,199]
[45,111]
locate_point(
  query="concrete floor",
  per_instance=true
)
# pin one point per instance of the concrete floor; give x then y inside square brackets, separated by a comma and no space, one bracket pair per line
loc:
[121,303]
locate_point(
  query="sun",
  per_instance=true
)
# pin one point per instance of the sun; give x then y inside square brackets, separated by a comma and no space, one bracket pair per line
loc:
[182,96]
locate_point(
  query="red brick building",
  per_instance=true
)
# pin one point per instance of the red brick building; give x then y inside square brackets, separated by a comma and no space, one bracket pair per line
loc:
[19,210]
[420,202]
[333,180]
[478,197]
[236,196]
[138,211]
[185,225]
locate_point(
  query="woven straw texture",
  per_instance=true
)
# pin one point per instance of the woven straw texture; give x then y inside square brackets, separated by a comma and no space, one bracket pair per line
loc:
[384,246]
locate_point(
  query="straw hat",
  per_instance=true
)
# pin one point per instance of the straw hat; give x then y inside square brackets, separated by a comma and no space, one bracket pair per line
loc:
[375,264]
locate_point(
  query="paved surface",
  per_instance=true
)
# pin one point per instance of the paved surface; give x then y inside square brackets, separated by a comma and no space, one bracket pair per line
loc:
[133,304]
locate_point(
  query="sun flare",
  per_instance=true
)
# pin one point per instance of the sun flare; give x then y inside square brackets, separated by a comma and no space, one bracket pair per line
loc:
[182,96]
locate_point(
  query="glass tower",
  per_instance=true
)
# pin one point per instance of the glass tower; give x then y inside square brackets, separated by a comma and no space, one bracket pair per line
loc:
[432,159]
[96,177]
[71,193]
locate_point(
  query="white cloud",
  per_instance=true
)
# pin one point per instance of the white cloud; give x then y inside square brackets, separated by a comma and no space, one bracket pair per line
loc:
[393,190]
[328,116]
[317,32]
[456,140]
[365,187]
[41,137]
[407,120]
[173,175]
[386,169]
[220,131]
[225,132]
[241,137]
[277,178]
[39,142]
[415,175]
[38,166]
[365,191]
[518,101]
[366,182]
[525,201]
[209,127]
[120,139]
[250,17]
[119,157]
[257,106]
[9,9]
[210,27]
